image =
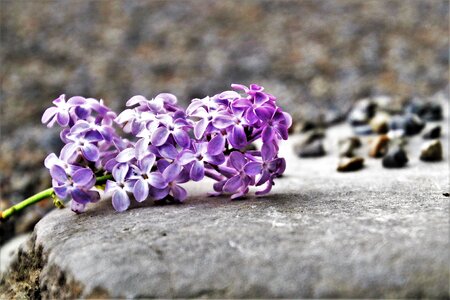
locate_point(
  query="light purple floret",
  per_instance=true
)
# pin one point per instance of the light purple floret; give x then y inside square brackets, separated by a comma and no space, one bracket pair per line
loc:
[169,146]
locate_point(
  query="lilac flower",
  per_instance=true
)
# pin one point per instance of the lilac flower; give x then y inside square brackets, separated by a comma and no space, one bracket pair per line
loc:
[60,112]
[198,157]
[176,129]
[146,179]
[269,168]
[238,180]
[120,187]
[167,146]
[173,177]
[76,187]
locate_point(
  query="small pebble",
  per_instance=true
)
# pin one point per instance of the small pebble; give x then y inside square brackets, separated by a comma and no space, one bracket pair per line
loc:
[312,136]
[363,130]
[314,149]
[380,123]
[431,151]
[428,111]
[362,112]
[379,146]
[348,145]
[395,158]
[350,164]
[433,133]
[411,124]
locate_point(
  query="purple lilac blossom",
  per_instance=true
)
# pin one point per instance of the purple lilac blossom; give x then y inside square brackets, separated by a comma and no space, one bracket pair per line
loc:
[169,146]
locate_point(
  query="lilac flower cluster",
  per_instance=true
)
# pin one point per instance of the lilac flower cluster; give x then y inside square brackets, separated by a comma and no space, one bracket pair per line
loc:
[170,146]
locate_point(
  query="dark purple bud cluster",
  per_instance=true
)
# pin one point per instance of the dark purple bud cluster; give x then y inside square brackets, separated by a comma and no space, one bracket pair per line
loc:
[171,146]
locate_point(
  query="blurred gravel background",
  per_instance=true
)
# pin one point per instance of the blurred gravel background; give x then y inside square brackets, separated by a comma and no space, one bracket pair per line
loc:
[316,56]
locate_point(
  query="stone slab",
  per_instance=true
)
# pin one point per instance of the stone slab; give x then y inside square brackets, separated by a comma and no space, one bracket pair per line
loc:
[372,233]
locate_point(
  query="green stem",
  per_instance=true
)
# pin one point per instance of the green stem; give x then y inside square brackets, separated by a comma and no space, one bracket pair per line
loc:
[39,197]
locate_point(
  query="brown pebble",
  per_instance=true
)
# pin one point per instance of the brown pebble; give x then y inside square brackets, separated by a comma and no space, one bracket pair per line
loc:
[350,164]
[347,145]
[431,151]
[379,146]
[380,123]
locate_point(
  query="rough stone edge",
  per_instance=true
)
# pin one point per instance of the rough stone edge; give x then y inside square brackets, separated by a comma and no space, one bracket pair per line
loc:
[24,278]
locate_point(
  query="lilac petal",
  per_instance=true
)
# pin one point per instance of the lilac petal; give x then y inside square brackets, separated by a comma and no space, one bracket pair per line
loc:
[232,184]
[138,99]
[222,121]
[200,127]
[267,151]
[120,200]
[251,116]
[264,113]
[48,114]
[80,126]
[215,159]
[125,155]
[162,164]
[185,157]
[140,190]
[120,172]
[94,196]
[216,145]
[110,186]
[267,134]
[50,160]
[171,172]
[193,107]
[218,186]
[61,191]
[266,190]
[237,160]
[62,117]
[84,177]
[82,112]
[80,196]
[58,174]
[238,139]
[239,194]
[159,194]
[288,119]
[264,177]
[282,130]
[68,152]
[93,136]
[125,116]
[141,148]
[242,103]
[253,168]
[159,137]
[156,180]
[181,137]
[168,98]
[76,100]
[90,152]
[255,87]
[168,151]
[197,171]
[260,97]
[239,87]
[147,163]
[60,100]
[229,95]
[227,172]
[179,193]
[156,104]
[77,207]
